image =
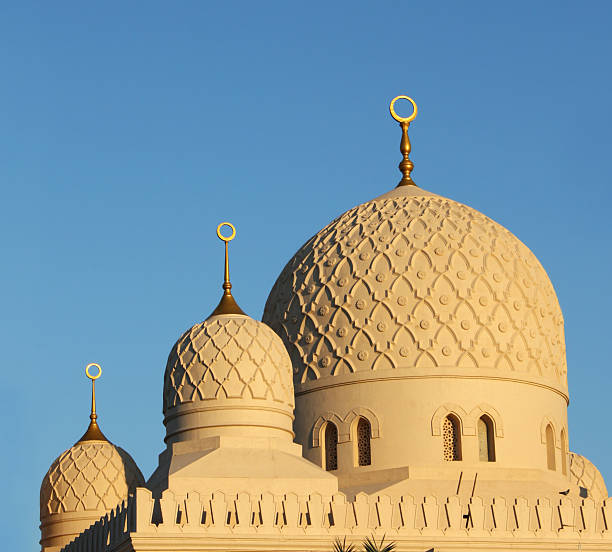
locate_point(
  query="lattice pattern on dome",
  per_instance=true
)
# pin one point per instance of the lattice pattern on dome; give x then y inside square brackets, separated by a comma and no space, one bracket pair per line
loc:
[417,281]
[450,436]
[88,476]
[331,447]
[364,435]
[228,357]
[584,474]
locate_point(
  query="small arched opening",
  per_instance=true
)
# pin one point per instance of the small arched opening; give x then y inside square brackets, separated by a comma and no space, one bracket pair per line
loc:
[330,446]
[363,441]
[550,448]
[486,439]
[563,452]
[451,434]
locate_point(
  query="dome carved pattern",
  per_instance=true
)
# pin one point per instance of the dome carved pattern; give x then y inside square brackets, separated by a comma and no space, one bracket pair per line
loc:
[94,475]
[417,281]
[584,474]
[228,357]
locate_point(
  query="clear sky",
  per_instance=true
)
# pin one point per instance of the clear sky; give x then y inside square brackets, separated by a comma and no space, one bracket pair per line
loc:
[129,130]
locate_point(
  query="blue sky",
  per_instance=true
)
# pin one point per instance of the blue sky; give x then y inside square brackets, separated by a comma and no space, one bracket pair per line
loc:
[130,129]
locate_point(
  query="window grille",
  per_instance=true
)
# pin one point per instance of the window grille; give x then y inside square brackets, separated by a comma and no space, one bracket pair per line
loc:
[452,444]
[331,446]
[364,434]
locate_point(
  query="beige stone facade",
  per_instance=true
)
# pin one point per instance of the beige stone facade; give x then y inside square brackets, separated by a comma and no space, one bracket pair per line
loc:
[408,379]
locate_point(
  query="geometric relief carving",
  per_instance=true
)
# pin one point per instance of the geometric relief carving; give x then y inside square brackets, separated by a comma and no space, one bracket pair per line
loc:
[417,281]
[88,476]
[228,358]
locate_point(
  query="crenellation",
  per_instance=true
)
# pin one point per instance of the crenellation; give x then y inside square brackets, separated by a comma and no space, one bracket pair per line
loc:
[402,518]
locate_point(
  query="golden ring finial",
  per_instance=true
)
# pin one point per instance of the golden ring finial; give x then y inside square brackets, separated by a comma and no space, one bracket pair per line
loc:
[396,116]
[93,432]
[90,365]
[221,236]
[227,305]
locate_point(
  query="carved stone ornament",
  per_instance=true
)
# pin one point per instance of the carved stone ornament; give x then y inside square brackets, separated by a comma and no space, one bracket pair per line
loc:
[231,357]
[92,475]
[418,280]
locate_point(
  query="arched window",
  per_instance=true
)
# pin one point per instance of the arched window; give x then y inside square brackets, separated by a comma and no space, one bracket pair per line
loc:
[364,434]
[563,452]
[550,448]
[331,446]
[451,431]
[486,439]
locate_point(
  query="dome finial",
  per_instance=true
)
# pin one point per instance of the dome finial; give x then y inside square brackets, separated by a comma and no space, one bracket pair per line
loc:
[405,165]
[228,304]
[93,432]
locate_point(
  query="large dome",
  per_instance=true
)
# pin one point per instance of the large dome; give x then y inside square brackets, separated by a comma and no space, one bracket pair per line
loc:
[415,280]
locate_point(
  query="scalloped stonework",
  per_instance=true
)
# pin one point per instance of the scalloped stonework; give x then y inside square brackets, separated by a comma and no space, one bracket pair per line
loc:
[228,357]
[93,475]
[417,281]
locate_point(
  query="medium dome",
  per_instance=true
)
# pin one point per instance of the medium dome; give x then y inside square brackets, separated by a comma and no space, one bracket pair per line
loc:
[415,280]
[221,366]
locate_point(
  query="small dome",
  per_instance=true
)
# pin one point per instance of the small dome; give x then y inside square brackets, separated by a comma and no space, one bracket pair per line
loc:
[228,361]
[85,482]
[584,474]
[89,476]
[412,279]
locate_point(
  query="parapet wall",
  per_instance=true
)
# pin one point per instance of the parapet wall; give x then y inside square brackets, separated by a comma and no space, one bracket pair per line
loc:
[402,519]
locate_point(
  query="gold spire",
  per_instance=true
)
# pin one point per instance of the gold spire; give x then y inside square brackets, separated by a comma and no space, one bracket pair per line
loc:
[228,304]
[93,432]
[405,165]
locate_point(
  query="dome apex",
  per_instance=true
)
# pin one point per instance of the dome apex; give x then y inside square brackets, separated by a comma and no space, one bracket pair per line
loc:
[228,304]
[405,165]
[93,433]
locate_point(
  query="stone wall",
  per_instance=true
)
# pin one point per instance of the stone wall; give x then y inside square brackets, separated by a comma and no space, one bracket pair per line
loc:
[272,519]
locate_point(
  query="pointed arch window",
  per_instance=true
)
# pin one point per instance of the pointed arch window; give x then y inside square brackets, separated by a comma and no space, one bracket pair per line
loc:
[550,448]
[364,436]
[451,432]
[486,439]
[331,446]
[563,452]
